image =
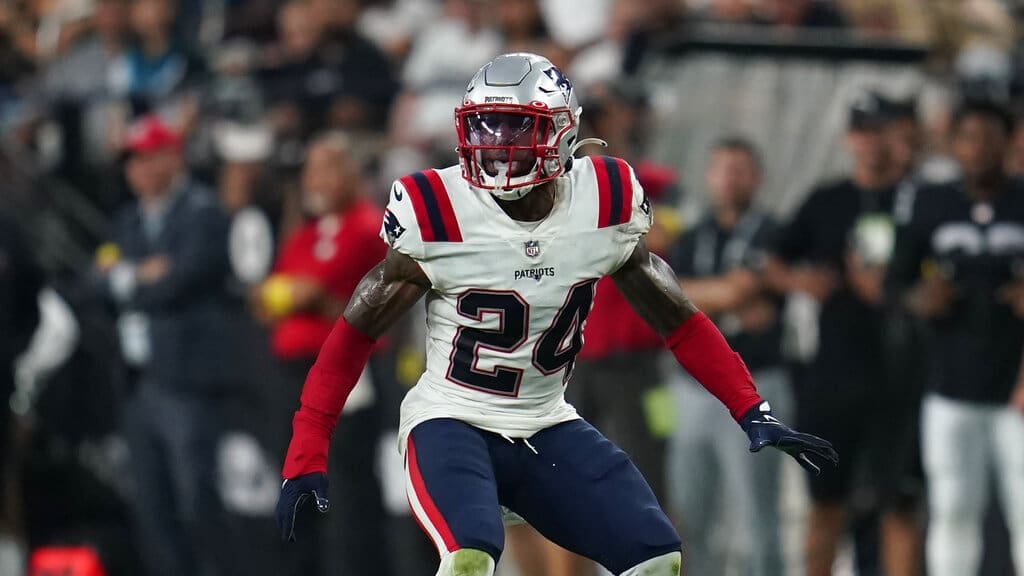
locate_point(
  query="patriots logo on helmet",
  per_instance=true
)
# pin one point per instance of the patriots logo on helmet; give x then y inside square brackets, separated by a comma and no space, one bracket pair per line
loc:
[560,81]
[393,229]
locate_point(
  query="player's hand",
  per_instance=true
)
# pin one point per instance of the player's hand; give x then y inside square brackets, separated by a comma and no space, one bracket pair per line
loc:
[295,493]
[766,430]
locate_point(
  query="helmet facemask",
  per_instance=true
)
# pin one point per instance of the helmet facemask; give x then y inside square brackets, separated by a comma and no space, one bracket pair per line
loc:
[508,149]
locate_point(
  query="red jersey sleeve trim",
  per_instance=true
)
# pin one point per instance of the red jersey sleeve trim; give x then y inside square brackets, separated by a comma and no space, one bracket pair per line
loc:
[615,191]
[433,207]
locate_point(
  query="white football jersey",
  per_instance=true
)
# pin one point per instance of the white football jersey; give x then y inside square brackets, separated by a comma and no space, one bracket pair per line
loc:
[509,300]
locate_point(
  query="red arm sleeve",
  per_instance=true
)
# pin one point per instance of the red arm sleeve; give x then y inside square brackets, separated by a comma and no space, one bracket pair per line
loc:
[702,350]
[330,380]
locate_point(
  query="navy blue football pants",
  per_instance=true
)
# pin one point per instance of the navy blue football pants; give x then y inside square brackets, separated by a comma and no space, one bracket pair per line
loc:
[568,481]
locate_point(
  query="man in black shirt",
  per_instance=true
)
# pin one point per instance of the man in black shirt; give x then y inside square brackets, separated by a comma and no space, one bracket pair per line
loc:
[832,254]
[712,484]
[958,265]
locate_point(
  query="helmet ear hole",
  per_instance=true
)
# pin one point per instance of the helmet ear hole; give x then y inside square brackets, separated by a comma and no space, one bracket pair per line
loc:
[550,166]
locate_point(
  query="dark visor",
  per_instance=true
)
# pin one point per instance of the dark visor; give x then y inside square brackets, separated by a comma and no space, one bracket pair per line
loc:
[499,129]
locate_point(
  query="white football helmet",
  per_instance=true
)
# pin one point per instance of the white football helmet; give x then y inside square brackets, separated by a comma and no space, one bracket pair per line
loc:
[517,125]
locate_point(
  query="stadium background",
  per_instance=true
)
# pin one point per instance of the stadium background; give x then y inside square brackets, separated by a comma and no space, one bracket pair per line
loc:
[251,82]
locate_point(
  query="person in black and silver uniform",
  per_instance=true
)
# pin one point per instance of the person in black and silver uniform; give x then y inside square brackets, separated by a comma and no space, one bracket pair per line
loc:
[830,258]
[959,265]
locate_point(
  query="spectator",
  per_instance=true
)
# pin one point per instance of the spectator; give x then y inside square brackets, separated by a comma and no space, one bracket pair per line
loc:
[815,256]
[323,73]
[433,77]
[314,276]
[288,69]
[604,60]
[78,87]
[393,25]
[575,24]
[157,68]
[166,271]
[956,266]
[367,86]
[522,27]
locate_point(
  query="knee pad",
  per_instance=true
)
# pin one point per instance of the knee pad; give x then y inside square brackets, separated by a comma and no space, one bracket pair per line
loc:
[664,565]
[467,562]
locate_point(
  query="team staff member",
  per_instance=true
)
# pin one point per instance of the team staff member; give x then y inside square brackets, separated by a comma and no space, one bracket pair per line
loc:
[166,271]
[957,265]
[314,276]
[815,254]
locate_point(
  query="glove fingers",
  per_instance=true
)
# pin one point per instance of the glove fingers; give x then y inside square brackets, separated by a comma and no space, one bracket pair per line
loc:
[806,463]
[826,453]
[821,448]
[811,444]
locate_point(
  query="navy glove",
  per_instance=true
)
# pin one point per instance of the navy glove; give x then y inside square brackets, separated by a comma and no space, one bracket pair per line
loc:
[294,494]
[763,429]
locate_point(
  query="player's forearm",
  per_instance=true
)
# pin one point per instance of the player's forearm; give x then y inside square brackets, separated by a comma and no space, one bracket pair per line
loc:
[700,348]
[332,378]
[650,286]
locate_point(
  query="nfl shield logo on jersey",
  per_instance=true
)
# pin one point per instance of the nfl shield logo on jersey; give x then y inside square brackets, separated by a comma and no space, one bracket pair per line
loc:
[532,248]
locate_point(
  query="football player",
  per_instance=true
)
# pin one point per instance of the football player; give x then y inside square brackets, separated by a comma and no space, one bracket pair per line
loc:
[506,247]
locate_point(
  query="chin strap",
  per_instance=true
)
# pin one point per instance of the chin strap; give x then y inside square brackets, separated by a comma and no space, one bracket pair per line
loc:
[586,141]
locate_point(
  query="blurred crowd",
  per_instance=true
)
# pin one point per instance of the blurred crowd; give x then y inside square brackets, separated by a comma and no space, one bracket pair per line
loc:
[191,190]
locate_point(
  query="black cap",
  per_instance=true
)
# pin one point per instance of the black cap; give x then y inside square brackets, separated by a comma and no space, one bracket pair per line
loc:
[867,111]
